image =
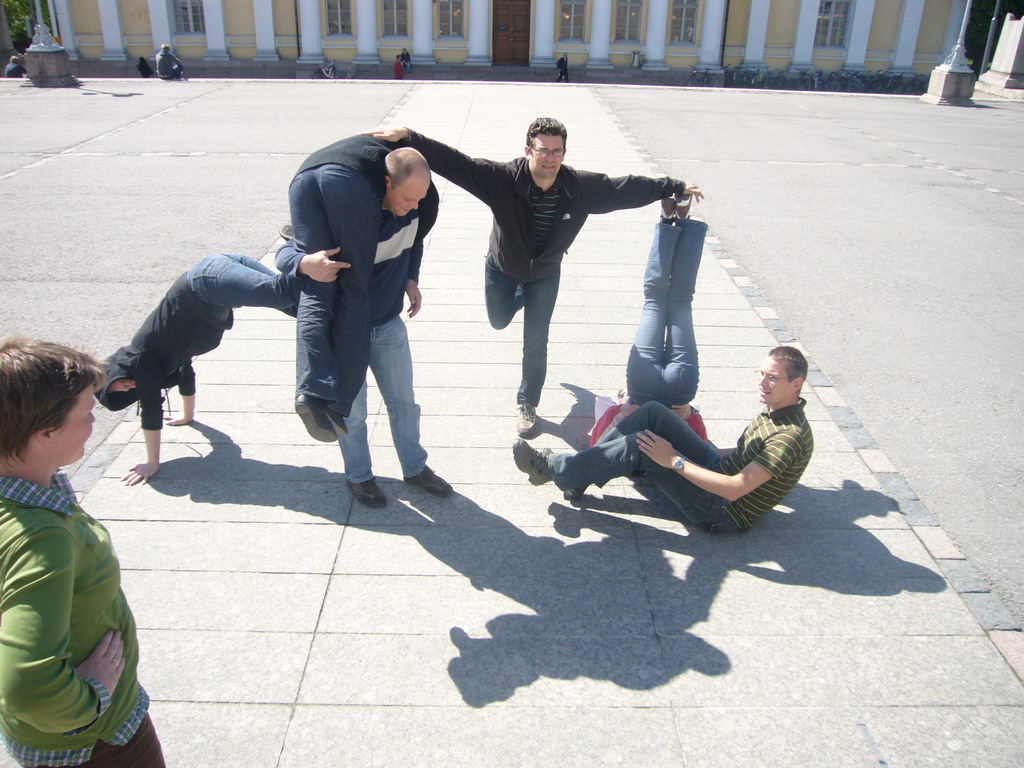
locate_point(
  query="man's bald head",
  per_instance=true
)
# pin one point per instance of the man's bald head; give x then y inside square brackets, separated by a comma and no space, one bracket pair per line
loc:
[405,162]
[407,180]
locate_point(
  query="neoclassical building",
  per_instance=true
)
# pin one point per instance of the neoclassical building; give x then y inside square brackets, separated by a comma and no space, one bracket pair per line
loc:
[901,35]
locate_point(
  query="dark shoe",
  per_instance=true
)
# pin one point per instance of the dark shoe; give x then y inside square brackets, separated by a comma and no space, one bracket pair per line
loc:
[367,493]
[431,483]
[287,233]
[314,417]
[337,419]
[526,421]
[574,494]
[533,462]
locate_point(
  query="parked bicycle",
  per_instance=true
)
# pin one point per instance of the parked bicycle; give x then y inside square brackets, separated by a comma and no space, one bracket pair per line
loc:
[702,77]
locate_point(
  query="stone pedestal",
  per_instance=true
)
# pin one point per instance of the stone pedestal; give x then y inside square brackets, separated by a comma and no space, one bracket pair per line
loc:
[950,88]
[49,68]
[1006,78]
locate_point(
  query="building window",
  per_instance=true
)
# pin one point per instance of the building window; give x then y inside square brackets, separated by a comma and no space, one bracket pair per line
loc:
[188,16]
[627,20]
[394,18]
[339,17]
[684,21]
[572,21]
[832,15]
[449,18]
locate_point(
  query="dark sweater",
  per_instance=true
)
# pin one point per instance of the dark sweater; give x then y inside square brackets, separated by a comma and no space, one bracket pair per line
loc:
[505,189]
[160,354]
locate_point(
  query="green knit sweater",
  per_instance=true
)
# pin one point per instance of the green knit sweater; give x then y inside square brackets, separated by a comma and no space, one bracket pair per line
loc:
[60,591]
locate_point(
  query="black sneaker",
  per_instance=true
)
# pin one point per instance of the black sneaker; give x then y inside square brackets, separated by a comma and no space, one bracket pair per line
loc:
[533,462]
[368,493]
[431,483]
[287,233]
[314,417]
[526,420]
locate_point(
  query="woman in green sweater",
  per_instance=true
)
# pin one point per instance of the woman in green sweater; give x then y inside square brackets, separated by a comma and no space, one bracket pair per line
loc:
[69,694]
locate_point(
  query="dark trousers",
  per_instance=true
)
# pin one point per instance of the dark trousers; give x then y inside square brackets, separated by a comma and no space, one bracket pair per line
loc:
[333,206]
[504,297]
[143,751]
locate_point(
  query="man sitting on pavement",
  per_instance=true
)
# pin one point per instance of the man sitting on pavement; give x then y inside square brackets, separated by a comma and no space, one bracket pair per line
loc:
[395,275]
[716,489]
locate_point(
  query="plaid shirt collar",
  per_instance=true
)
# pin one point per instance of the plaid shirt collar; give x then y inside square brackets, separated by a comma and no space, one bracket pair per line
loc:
[59,497]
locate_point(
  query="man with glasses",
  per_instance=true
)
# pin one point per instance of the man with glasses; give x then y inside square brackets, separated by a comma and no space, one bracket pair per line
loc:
[539,207]
[714,488]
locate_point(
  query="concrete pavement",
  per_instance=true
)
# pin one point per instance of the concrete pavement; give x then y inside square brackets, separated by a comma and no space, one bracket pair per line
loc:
[282,625]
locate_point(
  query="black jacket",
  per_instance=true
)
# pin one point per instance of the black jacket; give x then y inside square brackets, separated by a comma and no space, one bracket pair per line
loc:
[505,189]
[160,355]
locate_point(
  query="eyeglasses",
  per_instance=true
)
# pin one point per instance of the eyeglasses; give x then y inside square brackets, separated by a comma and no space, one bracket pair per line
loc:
[770,378]
[542,152]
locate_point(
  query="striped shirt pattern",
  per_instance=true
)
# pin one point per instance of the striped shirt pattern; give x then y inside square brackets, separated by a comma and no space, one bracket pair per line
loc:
[545,207]
[60,497]
[782,443]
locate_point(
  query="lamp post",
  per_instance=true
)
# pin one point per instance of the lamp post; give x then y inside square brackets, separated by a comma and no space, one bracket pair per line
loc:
[952,82]
[991,35]
[957,59]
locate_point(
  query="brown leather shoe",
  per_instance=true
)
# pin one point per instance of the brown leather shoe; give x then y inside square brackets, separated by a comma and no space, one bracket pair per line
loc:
[430,483]
[367,493]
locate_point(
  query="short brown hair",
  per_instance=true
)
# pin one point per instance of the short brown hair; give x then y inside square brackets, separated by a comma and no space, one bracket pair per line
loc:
[796,363]
[549,127]
[39,382]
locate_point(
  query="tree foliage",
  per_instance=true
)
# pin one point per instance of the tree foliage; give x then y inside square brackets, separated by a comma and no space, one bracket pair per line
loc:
[977,28]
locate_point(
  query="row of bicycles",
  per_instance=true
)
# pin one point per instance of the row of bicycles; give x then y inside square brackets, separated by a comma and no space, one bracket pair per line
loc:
[851,81]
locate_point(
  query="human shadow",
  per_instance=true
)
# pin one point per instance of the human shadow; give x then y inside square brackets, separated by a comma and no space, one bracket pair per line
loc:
[574,429]
[310,490]
[585,612]
[604,600]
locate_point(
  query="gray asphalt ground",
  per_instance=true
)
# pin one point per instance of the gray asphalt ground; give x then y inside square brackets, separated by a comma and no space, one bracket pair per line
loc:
[281,625]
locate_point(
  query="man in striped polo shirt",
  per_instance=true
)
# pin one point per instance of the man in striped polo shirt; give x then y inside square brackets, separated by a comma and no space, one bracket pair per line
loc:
[717,489]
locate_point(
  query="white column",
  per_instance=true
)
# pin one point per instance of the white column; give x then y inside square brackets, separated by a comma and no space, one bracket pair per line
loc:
[906,36]
[366,32]
[113,39]
[68,40]
[478,48]
[543,34]
[263,16]
[806,26]
[711,32]
[600,35]
[657,30]
[161,23]
[216,37]
[423,32]
[757,31]
[310,34]
[860,31]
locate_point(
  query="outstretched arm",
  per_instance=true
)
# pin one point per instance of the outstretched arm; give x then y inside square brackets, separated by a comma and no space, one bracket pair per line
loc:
[141,473]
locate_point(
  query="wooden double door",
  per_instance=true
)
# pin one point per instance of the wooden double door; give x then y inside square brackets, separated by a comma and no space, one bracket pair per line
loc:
[511,32]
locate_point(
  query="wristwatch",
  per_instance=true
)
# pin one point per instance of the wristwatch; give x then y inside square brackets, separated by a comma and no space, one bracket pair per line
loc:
[678,463]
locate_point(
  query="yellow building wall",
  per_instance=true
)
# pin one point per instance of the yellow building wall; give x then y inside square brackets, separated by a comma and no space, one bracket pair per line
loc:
[931,40]
[884,26]
[240,22]
[285,29]
[86,17]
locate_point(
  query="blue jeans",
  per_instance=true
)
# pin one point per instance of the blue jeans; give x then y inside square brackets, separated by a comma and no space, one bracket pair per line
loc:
[391,363]
[504,297]
[228,280]
[662,362]
[333,206]
[617,455]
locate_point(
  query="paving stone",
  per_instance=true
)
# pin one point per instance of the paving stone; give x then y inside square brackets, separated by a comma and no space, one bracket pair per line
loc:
[939,543]
[963,576]
[503,737]
[990,611]
[230,734]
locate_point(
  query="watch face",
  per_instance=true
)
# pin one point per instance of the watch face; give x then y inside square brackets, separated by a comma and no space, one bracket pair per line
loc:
[678,463]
